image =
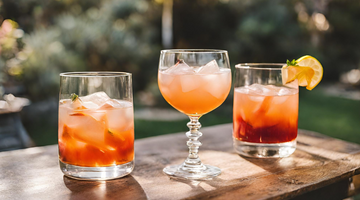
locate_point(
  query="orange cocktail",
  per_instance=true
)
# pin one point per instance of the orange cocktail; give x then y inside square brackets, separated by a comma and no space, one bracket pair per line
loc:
[265,112]
[195,82]
[96,136]
[266,103]
[96,125]
[195,94]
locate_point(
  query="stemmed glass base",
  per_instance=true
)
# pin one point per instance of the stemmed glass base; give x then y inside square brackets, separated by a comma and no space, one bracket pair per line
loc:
[205,173]
[193,168]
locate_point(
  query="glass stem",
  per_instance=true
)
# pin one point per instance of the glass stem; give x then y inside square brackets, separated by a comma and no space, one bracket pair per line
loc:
[193,162]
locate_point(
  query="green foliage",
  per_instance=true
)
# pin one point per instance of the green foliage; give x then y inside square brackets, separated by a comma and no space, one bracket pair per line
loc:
[10,48]
[79,36]
[124,35]
[271,31]
[333,116]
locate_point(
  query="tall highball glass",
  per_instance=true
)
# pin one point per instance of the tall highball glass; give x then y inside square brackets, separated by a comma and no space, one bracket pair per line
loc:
[265,112]
[194,82]
[96,125]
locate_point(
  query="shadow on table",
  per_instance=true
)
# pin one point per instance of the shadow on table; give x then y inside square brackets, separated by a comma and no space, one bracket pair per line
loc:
[198,186]
[305,155]
[297,159]
[123,188]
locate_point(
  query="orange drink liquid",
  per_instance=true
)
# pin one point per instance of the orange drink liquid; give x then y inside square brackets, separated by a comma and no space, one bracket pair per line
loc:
[96,137]
[265,114]
[195,94]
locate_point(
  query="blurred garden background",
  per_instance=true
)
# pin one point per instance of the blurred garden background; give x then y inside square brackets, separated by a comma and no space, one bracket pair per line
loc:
[41,38]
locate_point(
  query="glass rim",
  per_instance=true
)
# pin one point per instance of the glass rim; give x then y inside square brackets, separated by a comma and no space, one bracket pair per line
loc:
[193,51]
[266,66]
[95,74]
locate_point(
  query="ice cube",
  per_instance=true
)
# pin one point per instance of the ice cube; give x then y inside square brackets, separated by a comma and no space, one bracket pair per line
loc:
[210,68]
[64,110]
[122,118]
[98,98]
[64,101]
[273,88]
[282,95]
[216,84]
[256,98]
[284,91]
[255,89]
[76,104]
[280,99]
[242,90]
[180,68]
[259,111]
[165,79]
[114,103]
[269,90]
[264,90]
[189,83]
[88,127]
[90,105]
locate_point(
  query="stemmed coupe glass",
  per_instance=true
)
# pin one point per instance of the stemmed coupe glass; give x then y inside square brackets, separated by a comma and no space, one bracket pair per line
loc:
[195,82]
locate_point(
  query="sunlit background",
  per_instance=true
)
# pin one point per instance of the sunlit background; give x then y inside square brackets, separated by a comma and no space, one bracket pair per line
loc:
[41,38]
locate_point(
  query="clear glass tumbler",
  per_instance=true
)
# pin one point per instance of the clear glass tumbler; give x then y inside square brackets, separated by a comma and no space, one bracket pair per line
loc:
[265,116]
[195,82]
[96,125]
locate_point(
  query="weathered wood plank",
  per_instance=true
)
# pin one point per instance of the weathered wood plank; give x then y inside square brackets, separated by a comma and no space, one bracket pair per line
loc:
[318,162]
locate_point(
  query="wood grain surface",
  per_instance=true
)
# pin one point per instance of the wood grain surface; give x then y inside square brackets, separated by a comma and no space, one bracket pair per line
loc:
[320,166]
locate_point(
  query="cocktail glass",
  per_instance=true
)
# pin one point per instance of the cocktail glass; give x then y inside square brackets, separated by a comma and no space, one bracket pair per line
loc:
[96,125]
[194,82]
[265,113]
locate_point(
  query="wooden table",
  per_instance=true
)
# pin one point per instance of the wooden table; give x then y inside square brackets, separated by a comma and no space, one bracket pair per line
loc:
[321,168]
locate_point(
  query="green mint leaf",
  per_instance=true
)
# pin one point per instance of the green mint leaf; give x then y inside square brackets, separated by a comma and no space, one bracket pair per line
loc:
[73,97]
[291,63]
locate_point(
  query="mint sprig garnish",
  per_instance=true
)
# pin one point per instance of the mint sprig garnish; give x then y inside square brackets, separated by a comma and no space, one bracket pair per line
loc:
[291,63]
[73,97]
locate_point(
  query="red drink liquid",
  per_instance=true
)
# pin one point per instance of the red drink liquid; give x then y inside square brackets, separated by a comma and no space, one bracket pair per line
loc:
[265,114]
